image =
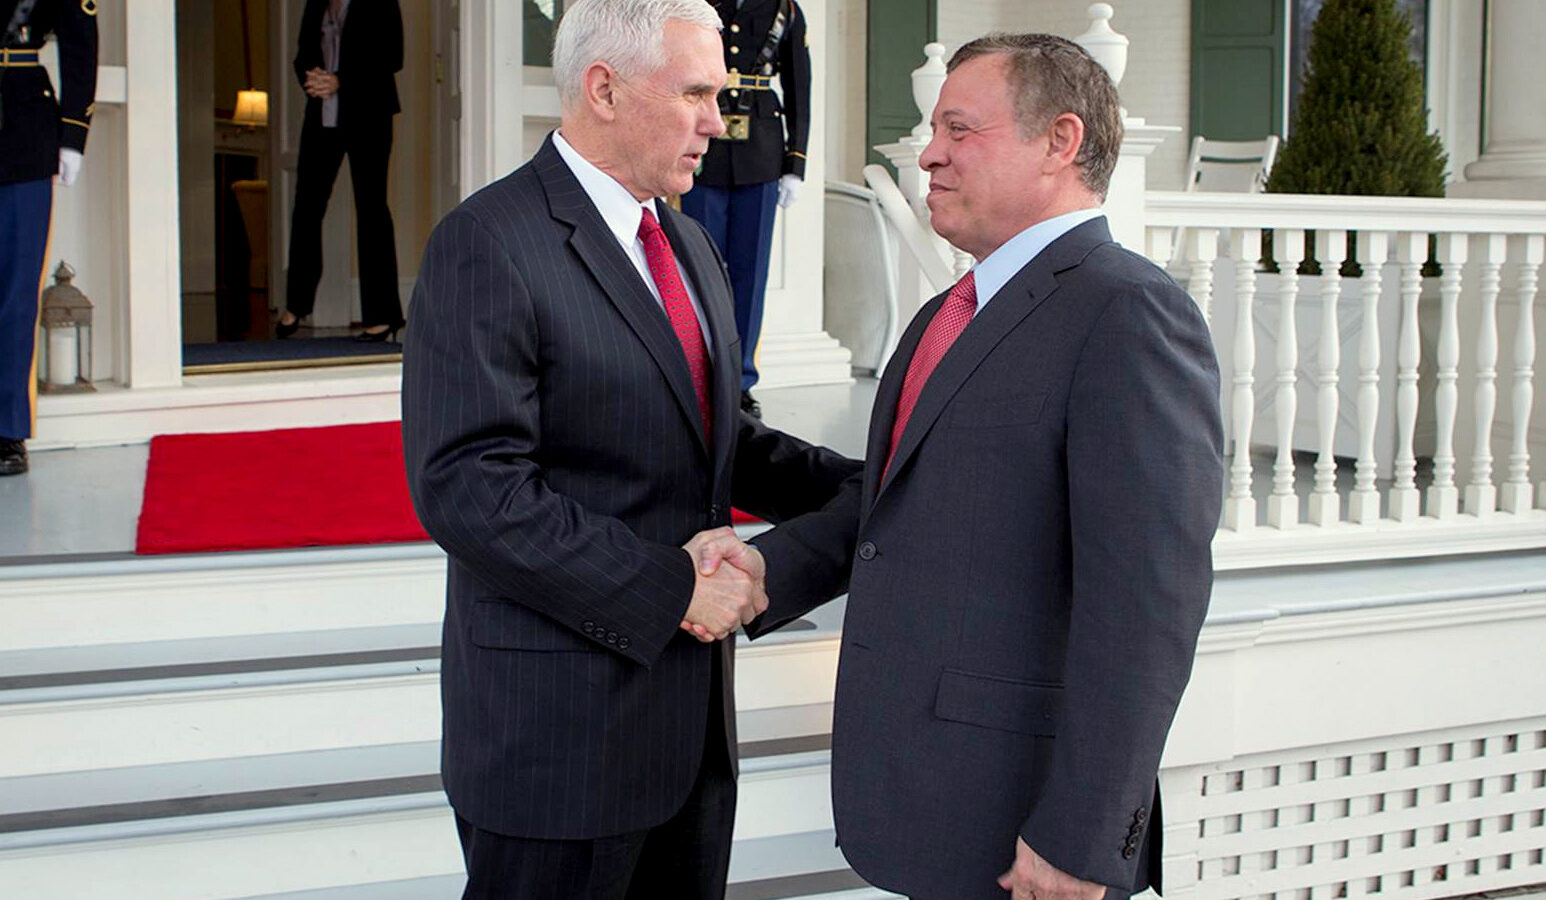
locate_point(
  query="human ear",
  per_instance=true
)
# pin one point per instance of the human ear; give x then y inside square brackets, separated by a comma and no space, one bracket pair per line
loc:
[600,90]
[1064,138]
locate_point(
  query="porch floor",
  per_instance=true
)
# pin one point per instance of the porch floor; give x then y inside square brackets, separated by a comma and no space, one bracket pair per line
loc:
[83,504]
[80,505]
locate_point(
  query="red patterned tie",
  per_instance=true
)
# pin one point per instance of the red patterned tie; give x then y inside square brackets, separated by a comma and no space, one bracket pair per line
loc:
[684,320]
[948,323]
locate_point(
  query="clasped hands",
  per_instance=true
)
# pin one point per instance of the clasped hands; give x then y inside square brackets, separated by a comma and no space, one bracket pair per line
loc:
[321,83]
[728,596]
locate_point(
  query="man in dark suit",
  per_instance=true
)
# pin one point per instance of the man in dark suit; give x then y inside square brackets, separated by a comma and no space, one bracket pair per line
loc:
[570,421]
[759,162]
[1027,554]
[346,60]
[41,135]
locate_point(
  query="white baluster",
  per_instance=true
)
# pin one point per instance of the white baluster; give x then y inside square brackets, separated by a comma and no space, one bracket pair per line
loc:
[1516,492]
[1240,506]
[1330,250]
[1160,244]
[1481,497]
[1443,496]
[1405,501]
[1202,248]
[1283,504]
[1364,504]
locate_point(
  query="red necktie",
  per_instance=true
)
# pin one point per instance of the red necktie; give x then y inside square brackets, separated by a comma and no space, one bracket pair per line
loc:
[684,320]
[948,323]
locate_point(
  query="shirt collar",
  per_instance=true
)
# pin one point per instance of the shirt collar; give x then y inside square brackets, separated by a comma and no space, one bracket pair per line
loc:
[1013,255]
[617,206]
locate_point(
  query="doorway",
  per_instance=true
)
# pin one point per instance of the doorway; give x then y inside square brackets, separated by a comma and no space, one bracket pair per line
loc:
[241,113]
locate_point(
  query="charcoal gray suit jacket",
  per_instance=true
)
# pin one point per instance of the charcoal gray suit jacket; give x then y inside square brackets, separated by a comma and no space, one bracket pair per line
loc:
[1027,582]
[555,450]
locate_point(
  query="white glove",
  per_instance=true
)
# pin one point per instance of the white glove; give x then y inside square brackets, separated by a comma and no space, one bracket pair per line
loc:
[788,190]
[69,166]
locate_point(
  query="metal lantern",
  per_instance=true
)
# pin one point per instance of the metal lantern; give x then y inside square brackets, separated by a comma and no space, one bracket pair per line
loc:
[65,360]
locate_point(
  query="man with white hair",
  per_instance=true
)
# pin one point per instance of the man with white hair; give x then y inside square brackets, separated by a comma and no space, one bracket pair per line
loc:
[570,422]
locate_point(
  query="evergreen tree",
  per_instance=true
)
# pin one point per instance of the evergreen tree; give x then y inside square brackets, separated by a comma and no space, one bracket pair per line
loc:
[1361,124]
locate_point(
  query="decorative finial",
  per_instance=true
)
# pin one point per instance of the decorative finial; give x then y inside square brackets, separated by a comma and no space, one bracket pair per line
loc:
[1107,46]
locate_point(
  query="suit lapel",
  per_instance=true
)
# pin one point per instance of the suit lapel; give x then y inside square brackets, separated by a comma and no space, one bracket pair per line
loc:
[1030,287]
[703,270]
[599,251]
[886,396]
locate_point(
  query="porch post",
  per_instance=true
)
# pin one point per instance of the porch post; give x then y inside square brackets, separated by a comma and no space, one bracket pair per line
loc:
[1513,161]
[155,281]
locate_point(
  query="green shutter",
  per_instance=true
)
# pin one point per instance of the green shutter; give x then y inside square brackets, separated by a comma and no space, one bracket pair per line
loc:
[1237,69]
[898,29]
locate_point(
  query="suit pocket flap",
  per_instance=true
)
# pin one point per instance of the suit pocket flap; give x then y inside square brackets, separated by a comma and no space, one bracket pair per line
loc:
[504,625]
[1001,703]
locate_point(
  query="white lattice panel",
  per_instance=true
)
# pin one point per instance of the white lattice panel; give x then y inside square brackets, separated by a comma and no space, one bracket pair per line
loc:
[1439,814]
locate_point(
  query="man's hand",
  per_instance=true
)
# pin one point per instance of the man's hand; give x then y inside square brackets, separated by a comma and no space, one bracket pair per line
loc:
[321,83]
[1033,878]
[788,190]
[724,596]
[69,166]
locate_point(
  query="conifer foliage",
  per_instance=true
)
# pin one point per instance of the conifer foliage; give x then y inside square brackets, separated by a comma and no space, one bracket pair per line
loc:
[1361,123]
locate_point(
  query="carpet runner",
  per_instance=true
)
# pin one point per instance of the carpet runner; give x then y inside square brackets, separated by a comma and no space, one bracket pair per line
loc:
[267,490]
[270,490]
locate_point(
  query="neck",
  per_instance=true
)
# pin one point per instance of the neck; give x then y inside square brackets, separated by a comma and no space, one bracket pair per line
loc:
[588,139]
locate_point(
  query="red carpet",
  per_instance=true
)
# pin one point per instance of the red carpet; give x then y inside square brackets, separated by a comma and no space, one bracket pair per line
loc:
[265,490]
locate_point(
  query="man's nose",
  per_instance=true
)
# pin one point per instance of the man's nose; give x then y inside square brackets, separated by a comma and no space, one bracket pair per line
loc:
[933,155]
[713,124]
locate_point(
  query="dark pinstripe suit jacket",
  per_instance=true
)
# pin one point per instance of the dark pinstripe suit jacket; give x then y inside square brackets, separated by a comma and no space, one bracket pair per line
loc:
[1026,582]
[555,450]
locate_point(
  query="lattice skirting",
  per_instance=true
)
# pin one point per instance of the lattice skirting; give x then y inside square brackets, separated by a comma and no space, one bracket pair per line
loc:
[1433,814]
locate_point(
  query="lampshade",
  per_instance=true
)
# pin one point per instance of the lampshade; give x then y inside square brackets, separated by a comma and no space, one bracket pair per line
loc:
[251,108]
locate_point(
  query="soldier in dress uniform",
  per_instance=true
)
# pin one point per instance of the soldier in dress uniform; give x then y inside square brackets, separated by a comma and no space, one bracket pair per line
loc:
[42,134]
[759,162]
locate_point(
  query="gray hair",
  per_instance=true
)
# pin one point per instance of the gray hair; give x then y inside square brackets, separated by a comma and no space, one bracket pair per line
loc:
[1049,76]
[628,35]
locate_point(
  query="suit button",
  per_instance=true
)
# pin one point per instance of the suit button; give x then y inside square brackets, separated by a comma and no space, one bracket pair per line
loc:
[735,29]
[867,551]
[1129,851]
[611,637]
[714,511]
[735,49]
[622,643]
[588,627]
[735,93]
[1141,816]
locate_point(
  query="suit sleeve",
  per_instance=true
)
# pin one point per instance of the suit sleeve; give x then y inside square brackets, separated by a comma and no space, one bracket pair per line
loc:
[472,439]
[308,44]
[778,476]
[1145,472]
[391,38]
[77,34]
[809,558]
[794,76]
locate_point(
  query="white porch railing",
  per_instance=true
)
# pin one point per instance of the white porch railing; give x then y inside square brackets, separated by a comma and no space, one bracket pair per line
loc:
[1450,469]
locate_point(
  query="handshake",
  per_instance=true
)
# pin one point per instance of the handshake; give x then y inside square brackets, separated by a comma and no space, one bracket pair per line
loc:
[724,596]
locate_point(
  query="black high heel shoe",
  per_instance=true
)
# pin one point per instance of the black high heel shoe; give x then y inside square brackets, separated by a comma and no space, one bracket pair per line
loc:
[389,336]
[282,331]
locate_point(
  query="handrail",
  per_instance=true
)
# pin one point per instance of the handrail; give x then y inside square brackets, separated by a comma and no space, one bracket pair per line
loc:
[1173,209]
[936,270]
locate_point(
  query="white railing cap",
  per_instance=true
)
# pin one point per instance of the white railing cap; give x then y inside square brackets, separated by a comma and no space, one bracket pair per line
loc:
[1171,209]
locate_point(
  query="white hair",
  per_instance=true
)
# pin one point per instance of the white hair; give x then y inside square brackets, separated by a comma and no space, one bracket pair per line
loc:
[628,35]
